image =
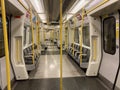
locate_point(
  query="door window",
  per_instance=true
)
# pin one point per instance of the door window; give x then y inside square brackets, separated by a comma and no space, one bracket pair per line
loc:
[109,35]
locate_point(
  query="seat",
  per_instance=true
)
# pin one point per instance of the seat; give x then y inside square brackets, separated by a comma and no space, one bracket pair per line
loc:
[28,57]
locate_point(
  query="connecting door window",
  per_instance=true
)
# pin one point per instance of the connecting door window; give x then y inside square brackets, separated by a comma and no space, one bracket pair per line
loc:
[109,35]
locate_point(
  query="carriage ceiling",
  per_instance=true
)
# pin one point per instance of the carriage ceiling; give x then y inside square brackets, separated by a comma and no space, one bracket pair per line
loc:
[52,9]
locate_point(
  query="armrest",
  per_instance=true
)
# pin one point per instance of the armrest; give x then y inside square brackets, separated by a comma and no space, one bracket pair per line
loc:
[27,56]
[30,53]
[82,54]
[75,50]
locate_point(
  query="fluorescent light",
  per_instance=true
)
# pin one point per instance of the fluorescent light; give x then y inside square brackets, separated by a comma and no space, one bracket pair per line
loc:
[78,6]
[25,4]
[69,16]
[43,18]
[93,3]
[38,5]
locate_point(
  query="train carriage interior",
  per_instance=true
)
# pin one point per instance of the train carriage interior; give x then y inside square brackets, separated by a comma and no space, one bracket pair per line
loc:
[59,45]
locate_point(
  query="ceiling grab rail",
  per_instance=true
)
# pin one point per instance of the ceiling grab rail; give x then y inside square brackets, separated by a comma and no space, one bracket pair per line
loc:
[23,5]
[37,33]
[100,4]
[33,60]
[61,86]
[2,2]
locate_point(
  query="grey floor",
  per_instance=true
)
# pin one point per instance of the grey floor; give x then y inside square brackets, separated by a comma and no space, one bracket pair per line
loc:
[71,83]
[49,67]
[46,75]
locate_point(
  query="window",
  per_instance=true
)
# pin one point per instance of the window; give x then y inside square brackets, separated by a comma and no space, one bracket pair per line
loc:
[25,32]
[2,51]
[76,35]
[109,35]
[86,36]
[30,36]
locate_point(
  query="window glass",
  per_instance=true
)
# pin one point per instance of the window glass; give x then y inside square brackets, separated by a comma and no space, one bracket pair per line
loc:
[2,51]
[25,32]
[76,35]
[86,36]
[109,35]
[30,36]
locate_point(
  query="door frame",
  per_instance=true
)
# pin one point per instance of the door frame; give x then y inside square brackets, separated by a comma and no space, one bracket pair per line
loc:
[114,85]
[118,69]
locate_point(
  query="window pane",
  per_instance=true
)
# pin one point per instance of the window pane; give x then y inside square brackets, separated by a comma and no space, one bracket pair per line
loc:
[109,35]
[86,36]
[25,35]
[30,36]
[2,51]
[76,35]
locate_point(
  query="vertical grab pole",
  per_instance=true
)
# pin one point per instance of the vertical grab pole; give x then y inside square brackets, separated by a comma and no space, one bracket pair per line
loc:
[81,39]
[65,37]
[53,38]
[2,2]
[60,44]
[37,32]
[32,37]
[44,34]
[74,34]
[52,35]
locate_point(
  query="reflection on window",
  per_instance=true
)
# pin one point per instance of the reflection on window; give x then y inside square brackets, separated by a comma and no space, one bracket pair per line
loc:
[86,36]
[76,35]
[2,51]
[109,35]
